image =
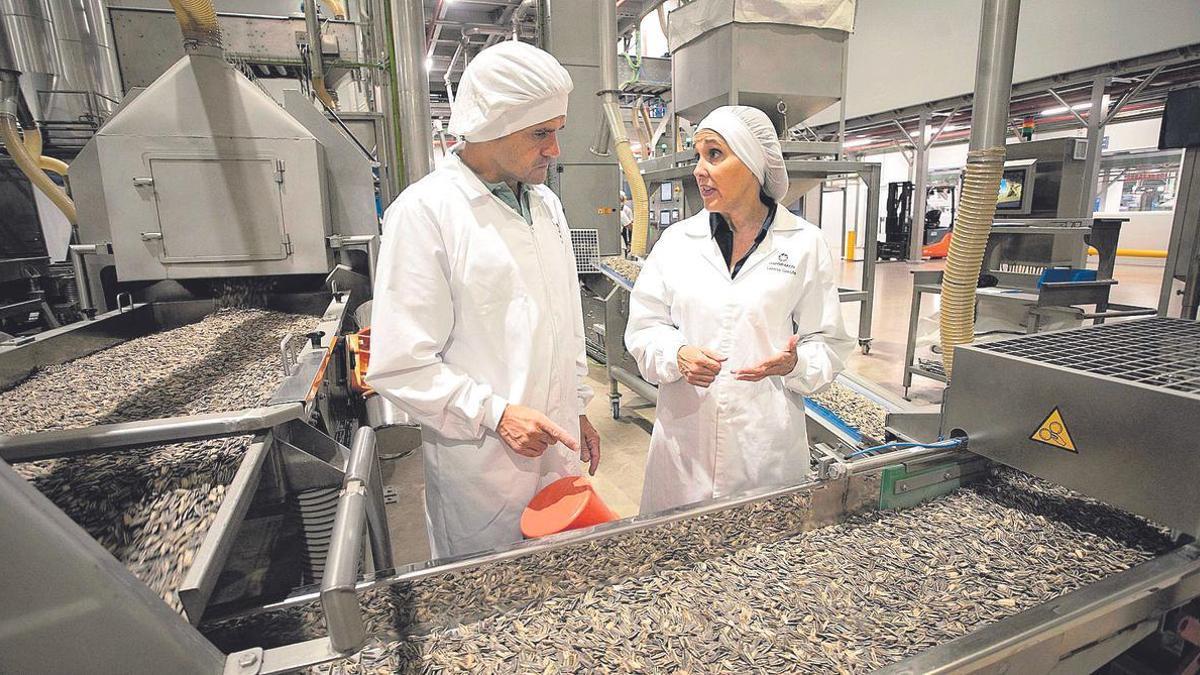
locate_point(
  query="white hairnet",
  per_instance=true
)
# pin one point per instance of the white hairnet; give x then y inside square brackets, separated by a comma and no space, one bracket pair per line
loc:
[751,136]
[506,88]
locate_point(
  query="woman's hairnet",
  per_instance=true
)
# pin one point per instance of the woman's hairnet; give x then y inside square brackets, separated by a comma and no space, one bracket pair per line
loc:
[751,136]
[506,88]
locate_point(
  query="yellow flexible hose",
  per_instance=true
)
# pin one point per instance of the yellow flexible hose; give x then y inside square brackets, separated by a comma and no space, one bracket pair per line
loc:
[318,85]
[28,164]
[977,208]
[633,176]
[55,166]
[198,21]
[33,142]
[641,200]
[338,7]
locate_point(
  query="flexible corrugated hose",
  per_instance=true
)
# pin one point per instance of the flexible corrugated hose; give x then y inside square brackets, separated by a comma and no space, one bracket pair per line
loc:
[198,21]
[33,142]
[338,7]
[28,164]
[977,208]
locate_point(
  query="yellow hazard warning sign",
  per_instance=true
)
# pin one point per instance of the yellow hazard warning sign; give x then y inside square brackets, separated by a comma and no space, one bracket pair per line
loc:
[1053,432]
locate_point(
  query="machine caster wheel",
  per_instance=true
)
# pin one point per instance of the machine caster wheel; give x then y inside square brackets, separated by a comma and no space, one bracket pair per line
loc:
[616,410]
[865,345]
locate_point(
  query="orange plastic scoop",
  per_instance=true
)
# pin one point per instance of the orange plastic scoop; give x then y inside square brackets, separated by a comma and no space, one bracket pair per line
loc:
[566,504]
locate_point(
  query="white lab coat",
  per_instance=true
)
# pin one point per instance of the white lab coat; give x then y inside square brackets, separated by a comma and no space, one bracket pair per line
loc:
[733,436]
[474,309]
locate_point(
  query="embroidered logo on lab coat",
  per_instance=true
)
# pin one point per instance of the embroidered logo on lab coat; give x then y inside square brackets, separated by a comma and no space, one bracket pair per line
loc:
[781,264]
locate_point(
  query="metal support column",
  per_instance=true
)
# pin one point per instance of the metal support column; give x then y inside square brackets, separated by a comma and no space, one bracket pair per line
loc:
[1185,232]
[416,129]
[1095,136]
[916,235]
[871,176]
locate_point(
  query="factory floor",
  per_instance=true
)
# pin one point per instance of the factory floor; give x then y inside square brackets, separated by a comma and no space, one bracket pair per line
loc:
[625,441]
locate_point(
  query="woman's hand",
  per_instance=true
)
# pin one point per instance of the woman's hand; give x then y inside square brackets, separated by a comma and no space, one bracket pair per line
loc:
[699,366]
[781,364]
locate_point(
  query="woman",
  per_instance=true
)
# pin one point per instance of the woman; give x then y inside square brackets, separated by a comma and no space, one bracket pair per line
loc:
[735,316]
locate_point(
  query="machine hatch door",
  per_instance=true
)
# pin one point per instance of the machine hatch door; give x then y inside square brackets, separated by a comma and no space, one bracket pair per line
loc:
[216,209]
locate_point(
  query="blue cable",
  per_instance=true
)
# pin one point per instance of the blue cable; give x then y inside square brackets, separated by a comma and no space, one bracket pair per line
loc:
[895,445]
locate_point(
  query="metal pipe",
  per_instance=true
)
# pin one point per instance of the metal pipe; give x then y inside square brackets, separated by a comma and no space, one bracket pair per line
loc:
[416,133]
[602,141]
[339,601]
[82,285]
[993,75]
[638,385]
[363,465]
[612,113]
[316,57]
[458,51]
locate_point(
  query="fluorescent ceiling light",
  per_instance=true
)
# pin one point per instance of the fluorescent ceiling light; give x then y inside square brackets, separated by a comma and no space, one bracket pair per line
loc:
[1062,109]
[929,130]
[857,142]
[428,63]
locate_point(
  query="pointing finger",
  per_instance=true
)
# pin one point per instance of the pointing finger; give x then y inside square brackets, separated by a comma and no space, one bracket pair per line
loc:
[558,433]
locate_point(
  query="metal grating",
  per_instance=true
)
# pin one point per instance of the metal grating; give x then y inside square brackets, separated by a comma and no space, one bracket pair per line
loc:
[586,244]
[1158,352]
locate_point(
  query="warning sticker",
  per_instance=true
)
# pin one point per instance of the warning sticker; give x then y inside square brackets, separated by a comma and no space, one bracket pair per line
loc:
[1053,432]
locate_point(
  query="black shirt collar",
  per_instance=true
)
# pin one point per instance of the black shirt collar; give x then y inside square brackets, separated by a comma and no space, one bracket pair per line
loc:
[723,234]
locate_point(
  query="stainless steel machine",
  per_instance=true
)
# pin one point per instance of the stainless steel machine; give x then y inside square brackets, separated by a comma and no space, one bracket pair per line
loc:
[1075,406]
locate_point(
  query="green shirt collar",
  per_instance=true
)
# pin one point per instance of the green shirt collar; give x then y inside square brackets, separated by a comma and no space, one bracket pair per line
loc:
[506,195]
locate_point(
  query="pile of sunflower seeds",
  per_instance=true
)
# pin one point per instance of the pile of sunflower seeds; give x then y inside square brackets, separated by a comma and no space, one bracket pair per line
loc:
[151,507]
[626,268]
[870,591]
[855,409]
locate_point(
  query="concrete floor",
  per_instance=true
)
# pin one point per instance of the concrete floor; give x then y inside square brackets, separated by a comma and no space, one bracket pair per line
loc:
[625,441]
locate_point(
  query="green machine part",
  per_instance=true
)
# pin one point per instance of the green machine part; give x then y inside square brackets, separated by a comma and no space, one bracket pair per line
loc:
[902,486]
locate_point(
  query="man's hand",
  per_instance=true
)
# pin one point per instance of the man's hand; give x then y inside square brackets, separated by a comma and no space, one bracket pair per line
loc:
[589,449]
[699,366]
[529,432]
[781,364]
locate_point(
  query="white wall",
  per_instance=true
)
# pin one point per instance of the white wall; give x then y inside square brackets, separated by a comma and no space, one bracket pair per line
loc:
[925,51]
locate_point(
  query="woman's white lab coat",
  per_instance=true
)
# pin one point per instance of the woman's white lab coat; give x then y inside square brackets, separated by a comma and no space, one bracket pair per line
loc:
[474,309]
[733,436]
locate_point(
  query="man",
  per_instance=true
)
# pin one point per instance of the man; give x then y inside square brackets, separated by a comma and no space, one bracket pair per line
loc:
[477,324]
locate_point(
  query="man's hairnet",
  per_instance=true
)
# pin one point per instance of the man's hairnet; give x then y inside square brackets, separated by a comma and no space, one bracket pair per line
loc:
[505,88]
[751,136]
